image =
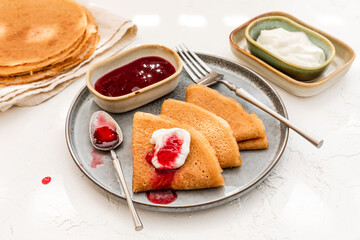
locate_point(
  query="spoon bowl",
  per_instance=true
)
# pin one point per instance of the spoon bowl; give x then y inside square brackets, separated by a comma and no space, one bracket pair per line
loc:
[101,120]
[106,135]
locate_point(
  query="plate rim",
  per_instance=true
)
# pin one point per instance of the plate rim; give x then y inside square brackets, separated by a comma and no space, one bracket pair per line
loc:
[198,206]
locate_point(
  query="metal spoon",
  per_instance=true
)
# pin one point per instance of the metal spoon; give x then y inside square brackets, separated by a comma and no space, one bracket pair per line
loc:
[101,119]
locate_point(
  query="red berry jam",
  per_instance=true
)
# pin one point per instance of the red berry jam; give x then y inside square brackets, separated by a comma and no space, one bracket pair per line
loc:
[161,197]
[163,177]
[167,153]
[105,137]
[149,156]
[170,151]
[46,180]
[97,158]
[105,134]
[134,76]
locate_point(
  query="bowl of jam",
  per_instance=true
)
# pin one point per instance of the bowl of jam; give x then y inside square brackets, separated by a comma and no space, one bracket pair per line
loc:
[134,77]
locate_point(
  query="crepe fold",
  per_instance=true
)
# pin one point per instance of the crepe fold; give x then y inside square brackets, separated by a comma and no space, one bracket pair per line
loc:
[215,129]
[248,129]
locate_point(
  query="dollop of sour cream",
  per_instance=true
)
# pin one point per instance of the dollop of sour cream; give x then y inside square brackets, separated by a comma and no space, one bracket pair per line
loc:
[172,147]
[293,47]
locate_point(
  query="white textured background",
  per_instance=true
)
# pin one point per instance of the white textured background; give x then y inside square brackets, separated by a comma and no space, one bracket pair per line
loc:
[311,194]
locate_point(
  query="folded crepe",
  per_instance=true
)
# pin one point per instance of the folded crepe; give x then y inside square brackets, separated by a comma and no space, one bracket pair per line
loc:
[244,126]
[216,130]
[253,144]
[200,170]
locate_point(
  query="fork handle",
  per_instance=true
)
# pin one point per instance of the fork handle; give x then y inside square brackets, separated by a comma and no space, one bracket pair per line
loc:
[317,142]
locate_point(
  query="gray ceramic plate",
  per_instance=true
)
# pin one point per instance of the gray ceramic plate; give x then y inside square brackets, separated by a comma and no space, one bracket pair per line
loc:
[256,164]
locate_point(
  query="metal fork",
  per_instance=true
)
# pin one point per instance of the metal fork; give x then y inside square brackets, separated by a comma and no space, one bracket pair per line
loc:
[203,74]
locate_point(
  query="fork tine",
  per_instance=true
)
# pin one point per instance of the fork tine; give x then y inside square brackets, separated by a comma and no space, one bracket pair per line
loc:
[188,70]
[193,60]
[196,74]
[204,65]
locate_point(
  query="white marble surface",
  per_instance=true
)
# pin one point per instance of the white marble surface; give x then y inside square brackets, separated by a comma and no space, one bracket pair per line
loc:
[312,194]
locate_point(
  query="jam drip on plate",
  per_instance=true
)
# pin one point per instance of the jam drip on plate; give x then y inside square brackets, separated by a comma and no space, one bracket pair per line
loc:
[133,76]
[163,178]
[161,196]
[97,158]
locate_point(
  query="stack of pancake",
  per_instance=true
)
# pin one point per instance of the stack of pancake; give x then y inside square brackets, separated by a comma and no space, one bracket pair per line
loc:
[42,38]
[219,128]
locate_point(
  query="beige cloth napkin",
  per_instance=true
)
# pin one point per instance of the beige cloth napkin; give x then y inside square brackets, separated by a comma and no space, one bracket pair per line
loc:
[115,33]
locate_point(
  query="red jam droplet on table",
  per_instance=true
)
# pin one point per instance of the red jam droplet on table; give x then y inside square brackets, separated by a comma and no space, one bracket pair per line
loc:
[161,197]
[134,76]
[46,180]
[96,158]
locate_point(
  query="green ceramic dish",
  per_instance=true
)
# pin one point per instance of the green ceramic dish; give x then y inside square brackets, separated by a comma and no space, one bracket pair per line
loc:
[252,32]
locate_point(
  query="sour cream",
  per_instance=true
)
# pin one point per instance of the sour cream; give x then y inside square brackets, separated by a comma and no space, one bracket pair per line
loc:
[172,147]
[293,47]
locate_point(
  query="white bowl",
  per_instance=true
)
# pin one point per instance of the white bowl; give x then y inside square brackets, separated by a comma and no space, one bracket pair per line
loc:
[142,96]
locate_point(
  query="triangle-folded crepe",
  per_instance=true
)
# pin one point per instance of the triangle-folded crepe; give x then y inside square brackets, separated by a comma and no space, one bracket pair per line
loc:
[245,126]
[200,170]
[216,130]
[254,144]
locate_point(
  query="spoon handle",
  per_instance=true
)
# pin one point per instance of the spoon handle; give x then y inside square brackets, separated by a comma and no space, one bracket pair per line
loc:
[137,222]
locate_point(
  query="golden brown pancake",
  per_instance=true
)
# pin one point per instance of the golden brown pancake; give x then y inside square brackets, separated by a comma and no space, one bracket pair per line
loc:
[9,71]
[244,126]
[253,144]
[91,29]
[34,30]
[86,51]
[216,130]
[200,170]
